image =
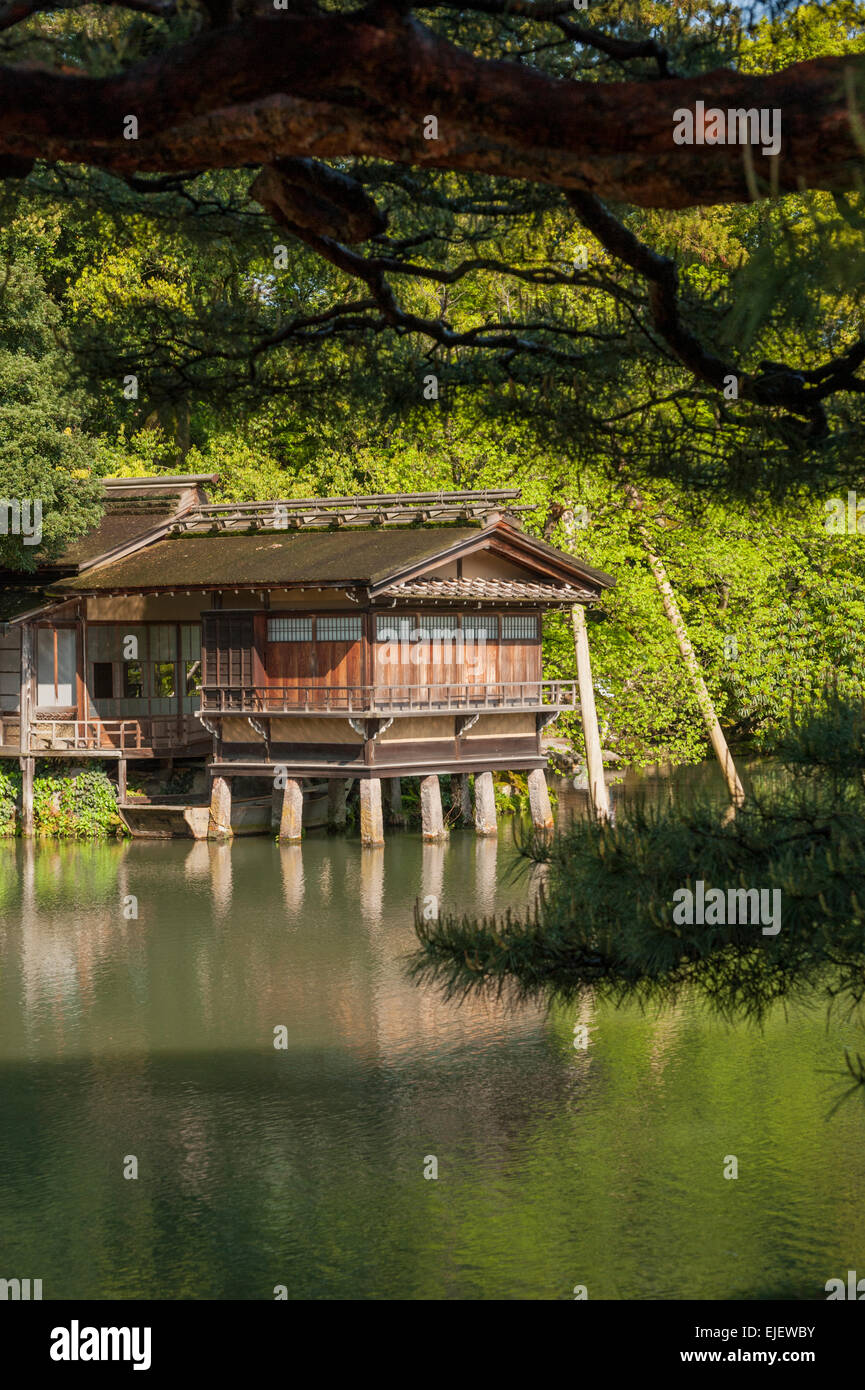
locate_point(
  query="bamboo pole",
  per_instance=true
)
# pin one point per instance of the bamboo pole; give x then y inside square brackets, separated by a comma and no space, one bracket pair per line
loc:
[598,793]
[689,656]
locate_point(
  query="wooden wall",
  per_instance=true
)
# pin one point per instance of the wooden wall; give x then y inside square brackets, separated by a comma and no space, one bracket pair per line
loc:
[238,652]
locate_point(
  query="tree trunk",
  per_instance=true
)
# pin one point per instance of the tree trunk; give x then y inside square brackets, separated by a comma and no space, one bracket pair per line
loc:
[689,656]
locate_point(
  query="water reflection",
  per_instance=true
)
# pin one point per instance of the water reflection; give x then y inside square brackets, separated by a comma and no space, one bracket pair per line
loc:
[303,1164]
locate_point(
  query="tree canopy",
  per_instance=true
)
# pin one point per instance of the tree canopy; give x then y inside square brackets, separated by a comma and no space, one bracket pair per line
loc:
[296,201]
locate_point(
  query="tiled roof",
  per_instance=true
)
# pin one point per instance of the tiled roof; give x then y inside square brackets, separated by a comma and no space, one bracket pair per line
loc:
[498,589]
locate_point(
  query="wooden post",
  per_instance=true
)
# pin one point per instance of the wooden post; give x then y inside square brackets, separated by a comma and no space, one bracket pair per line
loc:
[394,802]
[432,820]
[689,656]
[485,804]
[25,692]
[371,829]
[121,781]
[461,796]
[219,827]
[598,793]
[291,820]
[28,766]
[539,800]
[337,791]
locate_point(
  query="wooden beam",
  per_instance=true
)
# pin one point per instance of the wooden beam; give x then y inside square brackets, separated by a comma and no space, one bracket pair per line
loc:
[28,767]
[26,688]
[598,793]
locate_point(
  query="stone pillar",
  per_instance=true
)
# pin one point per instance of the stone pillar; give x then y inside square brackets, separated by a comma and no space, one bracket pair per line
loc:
[432,820]
[485,805]
[394,802]
[337,791]
[291,819]
[371,829]
[28,767]
[539,800]
[461,796]
[219,827]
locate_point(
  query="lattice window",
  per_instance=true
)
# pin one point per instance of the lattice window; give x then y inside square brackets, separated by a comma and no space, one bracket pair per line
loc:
[289,629]
[347,629]
[517,626]
[439,625]
[480,625]
[392,627]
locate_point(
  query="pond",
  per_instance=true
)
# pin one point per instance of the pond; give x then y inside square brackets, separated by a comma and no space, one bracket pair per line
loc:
[146,1042]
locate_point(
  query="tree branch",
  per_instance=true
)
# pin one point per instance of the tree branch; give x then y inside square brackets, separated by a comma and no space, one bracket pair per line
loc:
[330,86]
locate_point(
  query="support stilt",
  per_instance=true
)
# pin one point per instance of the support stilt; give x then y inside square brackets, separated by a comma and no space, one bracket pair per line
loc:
[539,800]
[291,819]
[219,827]
[121,781]
[371,828]
[432,820]
[485,804]
[598,793]
[394,802]
[461,796]
[28,767]
[337,790]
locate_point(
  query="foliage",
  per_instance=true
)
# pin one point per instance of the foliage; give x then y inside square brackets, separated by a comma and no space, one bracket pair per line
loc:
[175,282]
[10,791]
[604,913]
[83,806]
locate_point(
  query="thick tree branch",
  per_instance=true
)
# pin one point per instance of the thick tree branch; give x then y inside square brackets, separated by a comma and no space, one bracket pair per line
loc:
[776,385]
[329,86]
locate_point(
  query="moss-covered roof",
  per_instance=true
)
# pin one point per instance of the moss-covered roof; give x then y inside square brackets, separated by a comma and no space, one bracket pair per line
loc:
[270,559]
[117,527]
[15,601]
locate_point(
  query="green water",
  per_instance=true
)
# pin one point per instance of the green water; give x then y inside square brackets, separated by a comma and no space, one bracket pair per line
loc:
[304,1166]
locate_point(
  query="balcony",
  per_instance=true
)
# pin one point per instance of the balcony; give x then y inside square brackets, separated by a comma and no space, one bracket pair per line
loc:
[373,700]
[146,737]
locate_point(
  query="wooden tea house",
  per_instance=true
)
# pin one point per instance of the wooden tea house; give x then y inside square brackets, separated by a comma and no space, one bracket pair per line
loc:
[313,640]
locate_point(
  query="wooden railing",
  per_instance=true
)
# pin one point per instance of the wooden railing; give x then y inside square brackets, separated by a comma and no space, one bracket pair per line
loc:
[86,735]
[154,732]
[388,699]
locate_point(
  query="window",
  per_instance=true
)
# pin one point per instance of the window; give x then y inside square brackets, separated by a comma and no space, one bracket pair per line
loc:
[55,667]
[441,626]
[393,628]
[289,629]
[480,625]
[193,677]
[338,629]
[103,680]
[163,679]
[133,680]
[516,626]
